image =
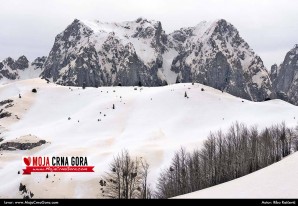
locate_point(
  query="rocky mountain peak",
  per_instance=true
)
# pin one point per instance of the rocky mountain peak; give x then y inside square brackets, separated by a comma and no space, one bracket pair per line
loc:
[21,63]
[39,62]
[294,50]
[223,27]
[285,77]
[112,49]
[8,61]
[72,34]
[20,69]
[140,52]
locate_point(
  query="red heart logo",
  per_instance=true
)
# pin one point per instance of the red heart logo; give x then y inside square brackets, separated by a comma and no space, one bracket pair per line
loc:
[27,161]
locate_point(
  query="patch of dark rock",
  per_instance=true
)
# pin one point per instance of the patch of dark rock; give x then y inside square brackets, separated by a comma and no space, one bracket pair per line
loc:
[267,99]
[4,114]
[20,146]
[48,81]
[25,192]
[7,101]
[9,105]
[22,188]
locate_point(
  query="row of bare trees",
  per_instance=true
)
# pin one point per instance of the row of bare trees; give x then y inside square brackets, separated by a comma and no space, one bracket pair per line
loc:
[224,157]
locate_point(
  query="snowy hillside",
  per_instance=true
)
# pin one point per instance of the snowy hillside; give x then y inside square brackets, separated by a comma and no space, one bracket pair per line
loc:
[149,122]
[279,180]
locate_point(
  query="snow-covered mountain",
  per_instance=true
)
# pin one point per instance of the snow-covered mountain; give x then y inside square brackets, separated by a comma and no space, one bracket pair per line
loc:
[150,122]
[105,54]
[140,52]
[20,69]
[213,53]
[285,77]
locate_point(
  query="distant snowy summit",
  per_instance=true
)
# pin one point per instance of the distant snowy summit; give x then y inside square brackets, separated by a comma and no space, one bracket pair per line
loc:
[20,69]
[141,53]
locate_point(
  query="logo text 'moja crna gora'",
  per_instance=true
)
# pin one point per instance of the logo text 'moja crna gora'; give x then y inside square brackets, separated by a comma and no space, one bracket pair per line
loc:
[56,161]
[56,164]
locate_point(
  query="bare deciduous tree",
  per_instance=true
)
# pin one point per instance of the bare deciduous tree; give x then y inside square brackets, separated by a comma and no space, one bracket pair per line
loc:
[224,157]
[127,178]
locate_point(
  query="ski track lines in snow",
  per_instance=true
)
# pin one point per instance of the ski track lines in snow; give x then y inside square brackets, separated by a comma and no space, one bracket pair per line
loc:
[149,122]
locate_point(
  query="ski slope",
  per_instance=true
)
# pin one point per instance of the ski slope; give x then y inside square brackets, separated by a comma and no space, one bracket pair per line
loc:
[279,180]
[149,122]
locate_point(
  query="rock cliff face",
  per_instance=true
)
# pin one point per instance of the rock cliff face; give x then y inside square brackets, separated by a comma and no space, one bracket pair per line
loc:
[102,54]
[141,53]
[285,77]
[214,54]
[20,69]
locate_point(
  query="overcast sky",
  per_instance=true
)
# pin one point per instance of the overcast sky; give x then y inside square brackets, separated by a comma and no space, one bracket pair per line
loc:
[29,27]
